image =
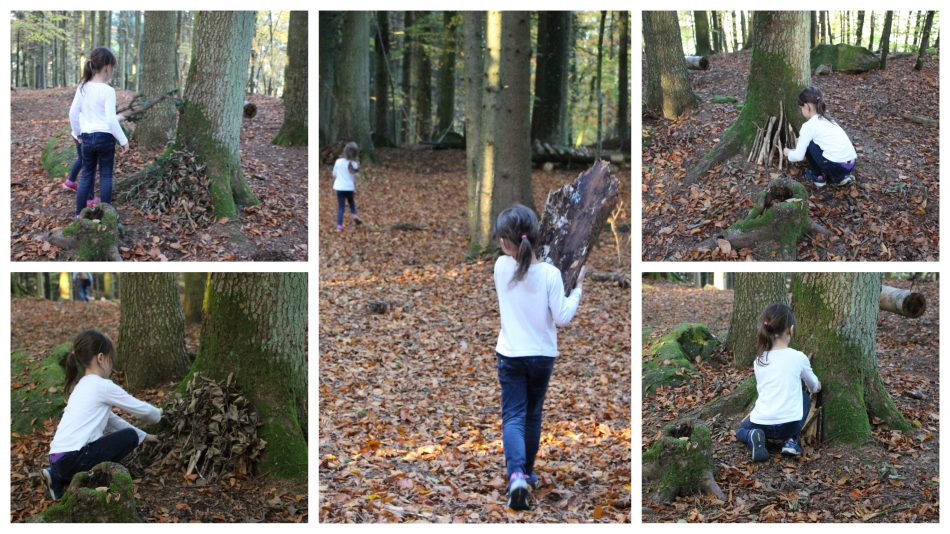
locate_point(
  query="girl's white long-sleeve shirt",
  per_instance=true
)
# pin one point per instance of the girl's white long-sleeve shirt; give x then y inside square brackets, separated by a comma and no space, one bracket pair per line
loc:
[344,180]
[829,136]
[88,414]
[531,309]
[93,110]
[779,385]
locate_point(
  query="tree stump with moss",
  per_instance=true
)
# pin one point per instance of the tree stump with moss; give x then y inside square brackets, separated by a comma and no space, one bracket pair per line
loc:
[774,226]
[669,360]
[94,236]
[104,494]
[680,463]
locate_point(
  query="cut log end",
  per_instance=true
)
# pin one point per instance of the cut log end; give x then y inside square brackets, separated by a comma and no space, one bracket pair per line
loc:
[903,302]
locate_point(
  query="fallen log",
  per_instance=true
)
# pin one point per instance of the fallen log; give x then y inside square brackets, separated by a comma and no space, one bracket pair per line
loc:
[697,63]
[94,236]
[680,463]
[903,302]
[573,218]
[542,152]
[919,119]
[622,280]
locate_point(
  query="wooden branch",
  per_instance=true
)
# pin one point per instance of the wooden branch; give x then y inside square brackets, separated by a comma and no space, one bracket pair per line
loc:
[902,302]
[919,119]
[131,113]
[620,279]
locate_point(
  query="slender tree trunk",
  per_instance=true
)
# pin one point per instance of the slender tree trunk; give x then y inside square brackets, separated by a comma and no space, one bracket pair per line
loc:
[256,328]
[623,81]
[886,38]
[667,91]
[408,91]
[293,132]
[549,117]
[735,33]
[815,29]
[445,110]
[104,37]
[139,41]
[860,29]
[837,322]
[910,16]
[151,347]
[753,293]
[157,128]
[473,43]
[600,78]
[703,47]
[871,33]
[745,31]
[330,24]
[716,32]
[193,301]
[924,41]
[422,80]
[382,135]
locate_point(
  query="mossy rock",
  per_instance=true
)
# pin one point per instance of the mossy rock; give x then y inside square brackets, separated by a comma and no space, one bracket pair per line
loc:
[844,58]
[669,360]
[104,494]
[680,463]
[41,396]
[58,154]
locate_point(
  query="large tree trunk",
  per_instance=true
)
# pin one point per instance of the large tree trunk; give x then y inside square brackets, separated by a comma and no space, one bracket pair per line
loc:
[623,82]
[924,41]
[194,296]
[256,328]
[209,124]
[422,79]
[473,42]
[330,22]
[886,37]
[293,132]
[505,148]
[151,347]
[780,69]
[667,90]
[445,110]
[753,293]
[157,128]
[104,35]
[837,322]
[703,48]
[549,118]
[353,93]
[382,135]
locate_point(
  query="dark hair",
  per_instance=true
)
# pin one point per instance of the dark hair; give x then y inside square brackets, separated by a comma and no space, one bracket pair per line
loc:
[777,319]
[812,95]
[351,152]
[87,345]
[98,59]
[519,224]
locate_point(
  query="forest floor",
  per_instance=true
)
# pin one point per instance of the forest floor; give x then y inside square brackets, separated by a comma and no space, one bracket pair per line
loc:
[410,425]
[39,325]
[893,478]
[889,213]
[275,230]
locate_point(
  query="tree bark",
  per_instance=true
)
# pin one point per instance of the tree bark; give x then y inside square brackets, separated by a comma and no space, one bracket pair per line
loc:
[924,41]
[104,37]
[886,38]
[445,109]
[815,29]
[193,301]
[473,43]
[353,94]
[549,117]
[902,302]
[871,33]
[330,23]
[623,82]
[753,293]
[780,69]
[382,135]
[151,347]
[860,29]
[408,49]
[703,48]
[157,128]
[293,132]
[697,63]
[422,79]
[667,90]
[256,328]
[837,322]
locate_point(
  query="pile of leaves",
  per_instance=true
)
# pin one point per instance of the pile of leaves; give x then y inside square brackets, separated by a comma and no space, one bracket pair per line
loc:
[177,186]
[209,432]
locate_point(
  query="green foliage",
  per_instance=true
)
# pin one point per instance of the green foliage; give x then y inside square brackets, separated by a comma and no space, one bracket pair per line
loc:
[723,100]
[39,26]
[41,397]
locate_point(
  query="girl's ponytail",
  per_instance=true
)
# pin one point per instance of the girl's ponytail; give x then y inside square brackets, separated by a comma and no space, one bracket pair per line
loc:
[812,95]
[351,152]
[72,368]
[519,226]
[98,60]
[525,256]
[87,345]
[776,320]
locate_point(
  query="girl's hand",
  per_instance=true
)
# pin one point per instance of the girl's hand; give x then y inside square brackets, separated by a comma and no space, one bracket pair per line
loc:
[124,148]
[151,438]
[786,152]
[580,278]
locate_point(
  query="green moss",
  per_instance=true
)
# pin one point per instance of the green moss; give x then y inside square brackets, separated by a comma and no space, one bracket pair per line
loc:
[723,100]
[681,457]
[97,237]
[41,397]
[82,504]
[796,206]
[844,58]
[58,154]
[668,360]
[292,133]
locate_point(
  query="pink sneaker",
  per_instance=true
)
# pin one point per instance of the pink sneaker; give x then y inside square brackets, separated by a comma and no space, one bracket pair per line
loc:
[339,228]
[92,203]
[70,185]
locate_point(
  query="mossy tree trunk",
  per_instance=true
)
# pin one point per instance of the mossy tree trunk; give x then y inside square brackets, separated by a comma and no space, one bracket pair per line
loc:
[703,48]
[352,71]
[256,328]
[753,292]
[549,119]
[837,323]
[194,296]
[667,89]
[160,76]
[924,41]
[780,69]
[151,347]
[293,132]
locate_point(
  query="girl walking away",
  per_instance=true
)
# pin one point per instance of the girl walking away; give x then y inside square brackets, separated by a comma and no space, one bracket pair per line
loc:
[96,127]
[831,156]
[344,183]
[89,433]
[781,407]
[532,304]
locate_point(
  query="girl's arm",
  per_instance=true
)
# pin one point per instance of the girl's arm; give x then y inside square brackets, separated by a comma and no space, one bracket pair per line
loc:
[74,116]
[562,308]
[113,120]
[808,376]
[806,137]
[116,423]
[116,396]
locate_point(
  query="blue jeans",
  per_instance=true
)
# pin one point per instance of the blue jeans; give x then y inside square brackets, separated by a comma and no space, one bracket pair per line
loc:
[781,431]
[524,382]
[109,448]
[821,166]
[77,165]
[341,198]
[98,152]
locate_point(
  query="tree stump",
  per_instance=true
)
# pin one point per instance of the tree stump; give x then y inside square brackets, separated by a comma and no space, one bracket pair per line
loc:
[573,217]
[774,226]
[680,463]
[94,236]
[104,494]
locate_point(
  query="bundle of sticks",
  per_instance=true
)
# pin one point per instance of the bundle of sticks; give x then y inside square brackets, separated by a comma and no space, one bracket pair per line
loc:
[771,140]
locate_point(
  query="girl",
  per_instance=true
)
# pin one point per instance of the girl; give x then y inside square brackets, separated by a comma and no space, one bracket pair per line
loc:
[89,433]
[344,174]
[831,156]
[782,406]
[532,303]
[96,127]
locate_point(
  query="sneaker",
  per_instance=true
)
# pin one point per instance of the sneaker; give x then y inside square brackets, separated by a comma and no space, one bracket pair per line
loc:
[819,181]
[532,480]
[92,203]
[845,181]
[518,492]
[791,448]
[71,186]
[757,439]
[357,220]
[53,492]
[339,228]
